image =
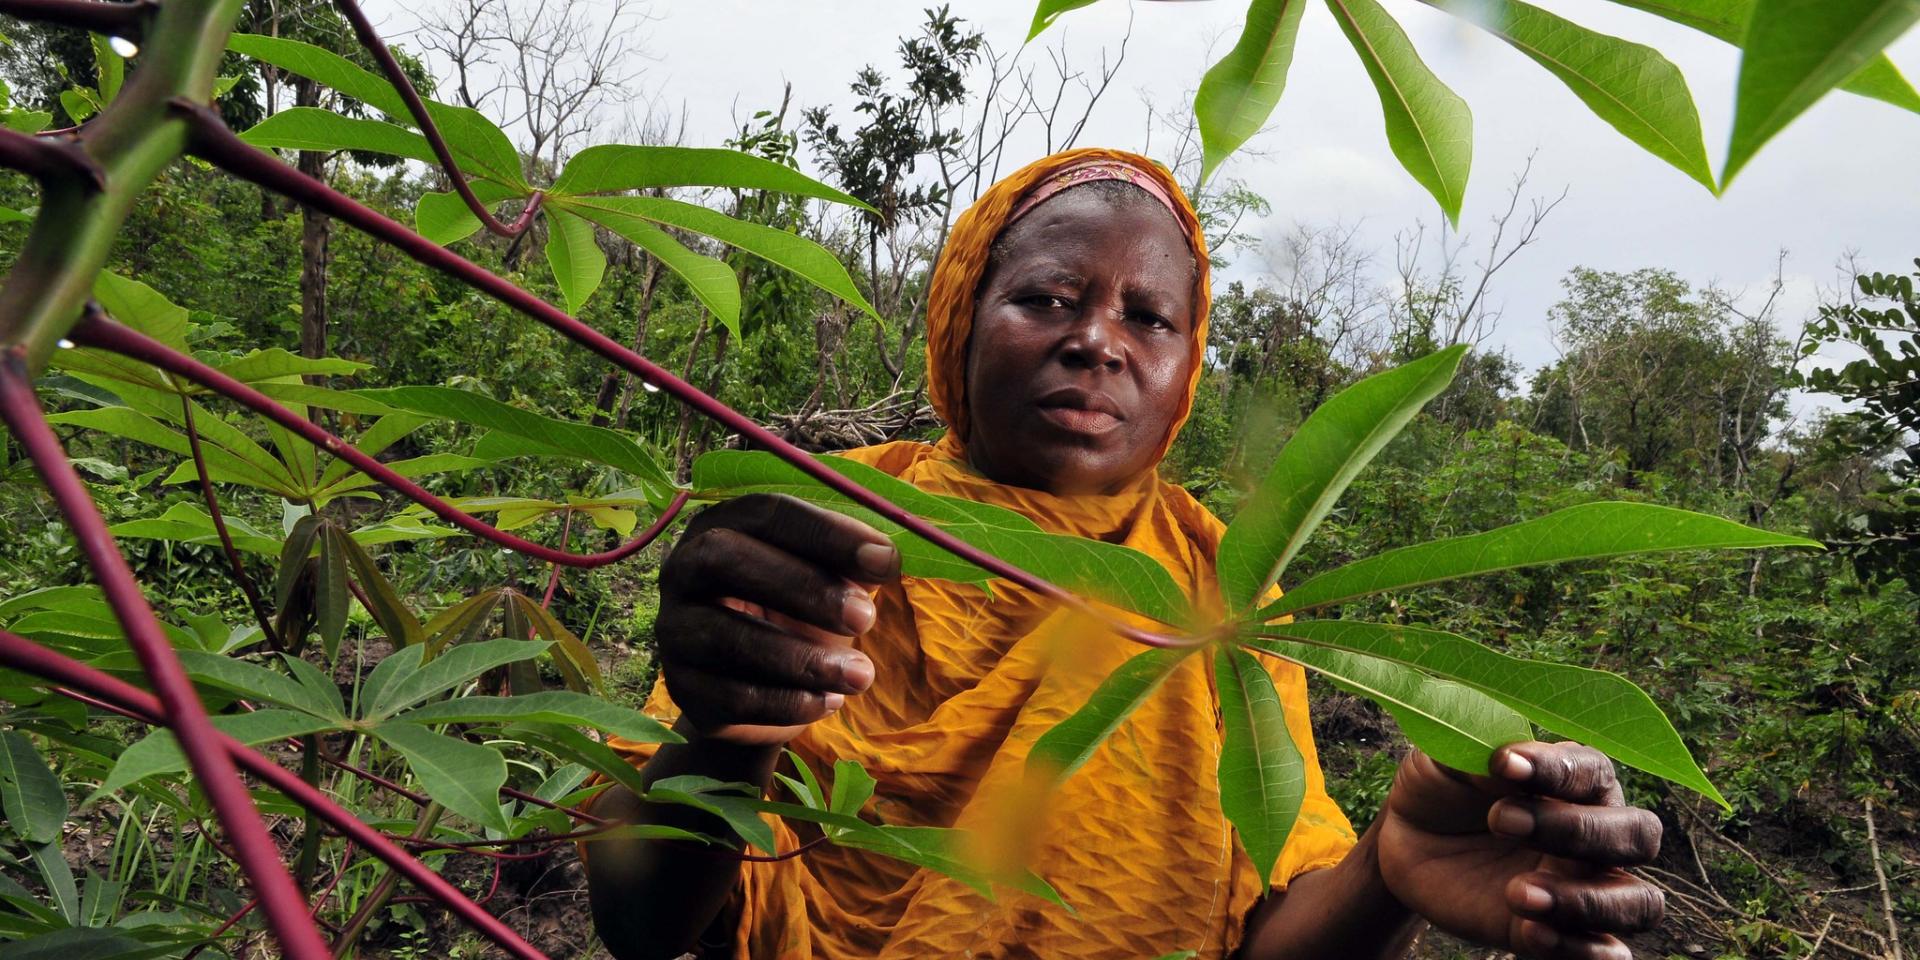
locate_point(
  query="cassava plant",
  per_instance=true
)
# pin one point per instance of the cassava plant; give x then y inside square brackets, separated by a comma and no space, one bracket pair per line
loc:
[461,684]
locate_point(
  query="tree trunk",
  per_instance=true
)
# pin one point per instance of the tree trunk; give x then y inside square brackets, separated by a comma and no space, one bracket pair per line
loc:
[314,231]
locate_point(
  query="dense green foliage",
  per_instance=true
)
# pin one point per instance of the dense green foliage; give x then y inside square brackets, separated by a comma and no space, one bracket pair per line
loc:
[1790,676]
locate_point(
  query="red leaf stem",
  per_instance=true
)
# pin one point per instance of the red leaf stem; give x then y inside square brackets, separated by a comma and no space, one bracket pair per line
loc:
[179,703]
[346,860]
[127,20]
[50,158]
[211,140]
[370,39]
[95,329]
[221,930]
[22,654]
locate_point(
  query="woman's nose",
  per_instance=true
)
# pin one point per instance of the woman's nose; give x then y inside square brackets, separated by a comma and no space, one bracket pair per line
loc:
[1094,341]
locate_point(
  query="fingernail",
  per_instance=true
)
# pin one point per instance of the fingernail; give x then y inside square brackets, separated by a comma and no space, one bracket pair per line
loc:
[857,611]
[1535,898]
[1513,820]
[1516,766]
[835,701]
[856,671]
[876,560]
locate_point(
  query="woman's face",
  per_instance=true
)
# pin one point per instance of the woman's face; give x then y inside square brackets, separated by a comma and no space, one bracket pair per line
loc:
[1082,345]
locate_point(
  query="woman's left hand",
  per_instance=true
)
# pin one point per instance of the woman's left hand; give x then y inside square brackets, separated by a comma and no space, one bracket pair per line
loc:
[1530,858]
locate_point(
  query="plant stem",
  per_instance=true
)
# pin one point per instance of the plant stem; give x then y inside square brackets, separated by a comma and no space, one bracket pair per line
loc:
[382,890]
[257,854]
[254,601]
[22,654]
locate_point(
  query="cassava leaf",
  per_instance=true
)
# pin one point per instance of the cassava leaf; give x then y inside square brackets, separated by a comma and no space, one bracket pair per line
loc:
[463,777]
[1263,778]
[311,128]
[790,251]
[1429,128]
[547,706]
[1238,94]
[1072,742]
[575,661]
[444,217]
[574,255]
[1454,724]
[614,168]
[414,681]
[713,283]
[1797,50]
[158,753]
[1587,532]
[257,683]
[1599,709]
[1335,443]
[1050,10]
[30,793]
[1727,20]
[1631,86]
[387,609]
[330,594]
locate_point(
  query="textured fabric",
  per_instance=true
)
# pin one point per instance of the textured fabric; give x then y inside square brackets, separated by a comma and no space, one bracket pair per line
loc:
[1087,171]
[967,679]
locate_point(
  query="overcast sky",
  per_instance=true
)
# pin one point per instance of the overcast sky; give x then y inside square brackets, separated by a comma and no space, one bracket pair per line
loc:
[1842,178]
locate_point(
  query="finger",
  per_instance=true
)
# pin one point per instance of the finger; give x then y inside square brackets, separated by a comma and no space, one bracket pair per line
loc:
[844,546]
[1540,941]
[1610,902]
[725,562]
[1565,771]
[714,700]
[718,640]
[1610,836]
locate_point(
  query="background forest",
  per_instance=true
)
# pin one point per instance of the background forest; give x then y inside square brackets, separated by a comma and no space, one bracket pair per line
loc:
[1793,676]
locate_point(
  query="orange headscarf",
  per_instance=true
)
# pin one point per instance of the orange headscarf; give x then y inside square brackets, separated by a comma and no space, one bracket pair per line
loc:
[966,679]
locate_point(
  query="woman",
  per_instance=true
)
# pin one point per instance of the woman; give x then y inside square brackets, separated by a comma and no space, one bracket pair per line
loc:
[1066,322]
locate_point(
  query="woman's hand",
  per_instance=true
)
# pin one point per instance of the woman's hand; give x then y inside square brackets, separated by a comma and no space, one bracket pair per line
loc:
[1529,859]
[759,605]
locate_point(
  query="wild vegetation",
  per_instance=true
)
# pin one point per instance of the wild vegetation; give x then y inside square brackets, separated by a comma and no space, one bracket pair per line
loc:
[327,621]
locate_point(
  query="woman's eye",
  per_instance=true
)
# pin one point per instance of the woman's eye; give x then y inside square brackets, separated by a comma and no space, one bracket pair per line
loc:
[1155,321]
[1048,301]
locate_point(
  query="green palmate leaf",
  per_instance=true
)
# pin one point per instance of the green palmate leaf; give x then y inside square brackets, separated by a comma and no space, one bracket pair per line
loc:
[1599,709]
[1727,20]
[1797,50]
[275,362]
[803,257]
[1110,573]
[293,556]
[462,622]
[385,432]
[257,683]
[478,145]
[1631,86]
[412,681]
[311,128]
[323,691]
[1238,94]
[1071,742]
[1331,448]
[1454,724]
[613,168]
[158,753]
[463,777]
[713,283]
[852,787]
[739,810]
[388,611]
[1050,10]
[1429,127]
[186,523]
[596,444]
[142,308]
[576,662]
[1263,777]
[325,398]
[444,218]
[30,794]
[51,861]
[574,255]
[330,594]
[1586,532]
[223,465]
[548,706]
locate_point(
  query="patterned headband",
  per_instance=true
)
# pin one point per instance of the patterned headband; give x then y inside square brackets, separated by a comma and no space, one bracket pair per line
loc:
[1088,172]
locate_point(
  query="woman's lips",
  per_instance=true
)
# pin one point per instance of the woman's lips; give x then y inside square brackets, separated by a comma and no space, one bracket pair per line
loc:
[1080,420]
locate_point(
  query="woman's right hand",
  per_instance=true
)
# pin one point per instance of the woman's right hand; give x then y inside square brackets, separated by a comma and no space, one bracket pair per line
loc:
[759,604]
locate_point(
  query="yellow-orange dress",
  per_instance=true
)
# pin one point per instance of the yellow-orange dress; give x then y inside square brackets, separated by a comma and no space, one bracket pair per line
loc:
[1135,841]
